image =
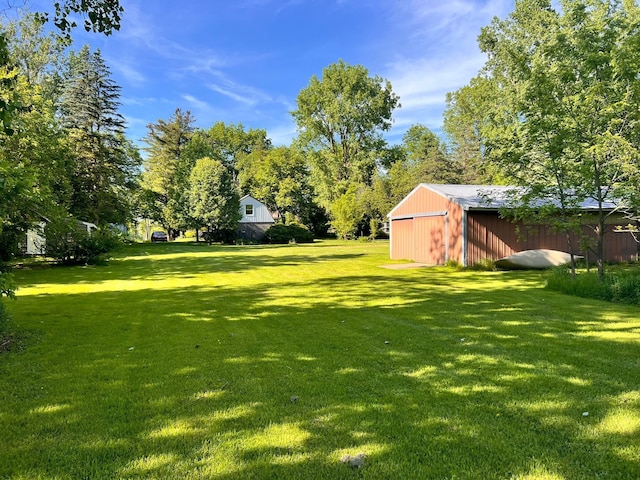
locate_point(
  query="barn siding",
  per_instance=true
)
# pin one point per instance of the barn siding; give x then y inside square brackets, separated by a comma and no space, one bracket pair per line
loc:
[261,213]
[420,232]
[420,201]
[423,238]
[491,237]
[402,239]
[433,251]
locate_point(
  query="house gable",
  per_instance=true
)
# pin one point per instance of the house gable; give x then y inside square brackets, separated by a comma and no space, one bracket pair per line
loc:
[254,211]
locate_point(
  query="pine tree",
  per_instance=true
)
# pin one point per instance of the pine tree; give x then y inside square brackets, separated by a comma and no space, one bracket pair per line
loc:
[105,162]
[166,171]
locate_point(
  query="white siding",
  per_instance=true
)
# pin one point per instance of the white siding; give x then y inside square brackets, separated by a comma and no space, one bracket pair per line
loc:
[260,212]
[35,240]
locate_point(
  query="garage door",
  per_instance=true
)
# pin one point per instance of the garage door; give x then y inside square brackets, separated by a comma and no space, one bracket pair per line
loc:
[429,240]
[422,239]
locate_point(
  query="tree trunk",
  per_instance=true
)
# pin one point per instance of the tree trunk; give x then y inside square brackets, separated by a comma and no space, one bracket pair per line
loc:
[600,230]
[573,257]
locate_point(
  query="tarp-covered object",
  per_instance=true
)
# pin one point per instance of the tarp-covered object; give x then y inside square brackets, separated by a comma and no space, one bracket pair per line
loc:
[535,259]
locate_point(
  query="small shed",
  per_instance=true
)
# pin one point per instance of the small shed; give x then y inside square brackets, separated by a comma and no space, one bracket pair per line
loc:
[256,219]
[436,223]
[35,242]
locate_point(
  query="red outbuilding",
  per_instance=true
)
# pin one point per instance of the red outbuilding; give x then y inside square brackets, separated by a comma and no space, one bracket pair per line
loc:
[436,223]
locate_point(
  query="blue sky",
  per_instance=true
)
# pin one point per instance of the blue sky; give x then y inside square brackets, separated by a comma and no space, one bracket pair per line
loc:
[245,61]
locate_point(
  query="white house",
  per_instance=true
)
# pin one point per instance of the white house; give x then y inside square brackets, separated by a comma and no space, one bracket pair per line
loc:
[256,219]
[35,242]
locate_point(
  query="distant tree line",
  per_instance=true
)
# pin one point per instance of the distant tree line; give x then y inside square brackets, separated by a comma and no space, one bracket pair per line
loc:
[339,173]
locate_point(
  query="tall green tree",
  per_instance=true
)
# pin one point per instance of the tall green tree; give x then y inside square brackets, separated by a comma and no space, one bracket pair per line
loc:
[99,16]
[227,143]
[167,169]
[427,159]
[464,119]
[421,158]
[565,122]
[346,213]
[34,159]
[39,55]
[340,120]
[214,200]
[105,161]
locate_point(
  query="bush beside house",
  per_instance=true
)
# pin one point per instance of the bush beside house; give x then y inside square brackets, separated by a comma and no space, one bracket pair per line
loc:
[70,244]
[281,233]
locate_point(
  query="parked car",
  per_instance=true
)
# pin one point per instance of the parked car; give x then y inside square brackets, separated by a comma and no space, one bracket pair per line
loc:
[158,237]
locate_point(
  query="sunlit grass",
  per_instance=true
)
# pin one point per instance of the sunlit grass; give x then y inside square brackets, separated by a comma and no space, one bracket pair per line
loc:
[184,361]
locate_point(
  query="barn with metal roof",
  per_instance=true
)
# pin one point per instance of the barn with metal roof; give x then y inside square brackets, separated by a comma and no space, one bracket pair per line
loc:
[436,223]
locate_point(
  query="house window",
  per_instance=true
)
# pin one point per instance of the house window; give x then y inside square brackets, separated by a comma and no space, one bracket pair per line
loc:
[248,210]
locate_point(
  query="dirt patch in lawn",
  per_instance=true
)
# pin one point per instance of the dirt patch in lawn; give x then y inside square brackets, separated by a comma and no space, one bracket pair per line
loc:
[7,342]
[405,266]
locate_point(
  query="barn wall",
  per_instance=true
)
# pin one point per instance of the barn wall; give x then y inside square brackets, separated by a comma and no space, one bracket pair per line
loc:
[424,233]
[421,200]
[402,237]
[433,251]
[491,237]
[421,232]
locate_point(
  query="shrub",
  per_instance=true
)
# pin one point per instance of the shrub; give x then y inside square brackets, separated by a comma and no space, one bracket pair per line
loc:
[280,233]
[586,285]
[4,323]
[70,244]
[94,247]
[624,287]
[453,264]
[7,285]
[485,265]
[620,287]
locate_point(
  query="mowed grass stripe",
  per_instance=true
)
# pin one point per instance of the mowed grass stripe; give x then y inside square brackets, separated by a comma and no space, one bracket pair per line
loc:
[185,361]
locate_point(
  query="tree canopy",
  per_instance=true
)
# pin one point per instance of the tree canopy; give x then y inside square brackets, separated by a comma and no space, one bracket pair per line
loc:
[340,119]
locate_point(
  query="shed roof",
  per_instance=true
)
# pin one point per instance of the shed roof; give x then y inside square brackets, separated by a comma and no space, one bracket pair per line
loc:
[487,197]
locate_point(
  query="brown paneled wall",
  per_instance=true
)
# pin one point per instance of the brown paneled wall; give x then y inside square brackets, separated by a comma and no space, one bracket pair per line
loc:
[489,236]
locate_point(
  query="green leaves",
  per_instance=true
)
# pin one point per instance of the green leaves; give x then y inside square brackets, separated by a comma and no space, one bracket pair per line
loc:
[213,200]
[7,286]
[341,117]
[104,16]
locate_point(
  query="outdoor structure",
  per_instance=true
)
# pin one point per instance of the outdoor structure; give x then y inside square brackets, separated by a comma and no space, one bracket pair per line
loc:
[462,223]
[35,242]
[256,219]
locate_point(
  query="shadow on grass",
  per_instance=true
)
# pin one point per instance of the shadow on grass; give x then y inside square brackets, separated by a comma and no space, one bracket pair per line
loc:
[161,261]
[427,378]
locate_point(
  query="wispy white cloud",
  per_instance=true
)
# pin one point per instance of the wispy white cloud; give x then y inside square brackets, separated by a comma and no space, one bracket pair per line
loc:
[131,74]
[140,30]
[196,103]
[244,94]
[137,101]
[442,55]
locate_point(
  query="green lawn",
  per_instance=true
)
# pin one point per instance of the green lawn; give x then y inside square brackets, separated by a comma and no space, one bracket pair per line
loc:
[183,361]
